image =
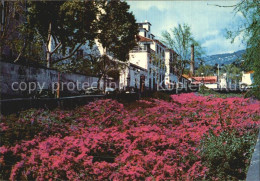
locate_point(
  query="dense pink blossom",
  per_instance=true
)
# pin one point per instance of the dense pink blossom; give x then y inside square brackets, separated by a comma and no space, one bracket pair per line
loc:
[103,140]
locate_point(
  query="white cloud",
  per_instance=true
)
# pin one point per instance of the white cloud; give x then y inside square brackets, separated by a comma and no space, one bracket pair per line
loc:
[208,22]
[222,45]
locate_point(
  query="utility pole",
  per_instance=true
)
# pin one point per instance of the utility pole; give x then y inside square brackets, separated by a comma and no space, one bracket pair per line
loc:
[218,75]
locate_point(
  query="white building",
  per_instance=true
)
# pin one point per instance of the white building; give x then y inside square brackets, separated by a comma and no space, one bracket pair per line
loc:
[247,79]
[149,63]
[223,81]
[170,78]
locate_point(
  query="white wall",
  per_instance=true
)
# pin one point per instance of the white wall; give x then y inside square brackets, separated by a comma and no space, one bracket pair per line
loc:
[211,86]
[247,78]
[139,58]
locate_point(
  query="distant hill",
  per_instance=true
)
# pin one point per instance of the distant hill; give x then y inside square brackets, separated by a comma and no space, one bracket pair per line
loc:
[226,58]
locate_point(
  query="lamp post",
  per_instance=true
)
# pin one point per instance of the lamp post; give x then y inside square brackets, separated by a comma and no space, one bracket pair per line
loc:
[202,74]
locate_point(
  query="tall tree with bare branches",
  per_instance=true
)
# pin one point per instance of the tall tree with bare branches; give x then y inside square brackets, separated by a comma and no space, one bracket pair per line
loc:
[180,40]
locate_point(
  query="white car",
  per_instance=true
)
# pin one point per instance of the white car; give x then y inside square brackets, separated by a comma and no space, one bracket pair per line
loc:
[92,90]
[109,90]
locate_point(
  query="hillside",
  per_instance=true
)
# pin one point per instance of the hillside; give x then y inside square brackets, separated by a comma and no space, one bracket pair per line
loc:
[226,58]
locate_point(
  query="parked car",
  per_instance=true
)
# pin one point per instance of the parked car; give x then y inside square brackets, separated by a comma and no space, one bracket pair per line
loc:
[109,90]
[92,90]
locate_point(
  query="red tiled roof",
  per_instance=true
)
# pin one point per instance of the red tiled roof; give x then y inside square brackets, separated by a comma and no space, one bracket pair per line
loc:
[160,43]
[208,79]
[143,39]
[249,72]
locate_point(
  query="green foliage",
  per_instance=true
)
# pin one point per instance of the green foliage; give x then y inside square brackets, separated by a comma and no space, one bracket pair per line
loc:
[207,70]
[116,31]
[85,65]
[25,42]
[250,30]
[161,95]
[254,93]
[234,73]
[117,28]
[227,155]
[68,22]
[209,92]
[21,130]
[205,91]
[32,123]
[180,40]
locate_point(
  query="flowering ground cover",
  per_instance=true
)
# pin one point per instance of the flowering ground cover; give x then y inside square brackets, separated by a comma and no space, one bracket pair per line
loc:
[190,137]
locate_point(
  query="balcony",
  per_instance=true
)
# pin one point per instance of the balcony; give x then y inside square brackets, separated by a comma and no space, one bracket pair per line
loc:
[142,49]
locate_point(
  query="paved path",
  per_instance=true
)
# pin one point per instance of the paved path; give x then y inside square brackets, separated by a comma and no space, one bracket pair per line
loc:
[253,173]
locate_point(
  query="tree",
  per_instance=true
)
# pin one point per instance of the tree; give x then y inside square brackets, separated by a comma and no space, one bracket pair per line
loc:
[9,21]
[70,24]
[233,73]
[84,65]
[207,70]
[14,34]
[115,37]
[117,29]
[180,40]
[250,30]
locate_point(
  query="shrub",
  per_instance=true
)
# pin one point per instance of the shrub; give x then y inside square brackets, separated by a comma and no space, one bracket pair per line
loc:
[254,93]
[161,95]
[227,155]
[158,140]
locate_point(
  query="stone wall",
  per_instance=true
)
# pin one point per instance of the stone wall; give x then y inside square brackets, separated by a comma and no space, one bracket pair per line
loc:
[15,78]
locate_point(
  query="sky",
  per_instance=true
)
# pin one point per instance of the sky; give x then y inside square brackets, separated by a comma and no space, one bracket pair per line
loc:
[208,22]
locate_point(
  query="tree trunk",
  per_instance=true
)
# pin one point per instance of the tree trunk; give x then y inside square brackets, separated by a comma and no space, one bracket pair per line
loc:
[104,84]
[48,59]
[105,73]
[48,44]
[98,83]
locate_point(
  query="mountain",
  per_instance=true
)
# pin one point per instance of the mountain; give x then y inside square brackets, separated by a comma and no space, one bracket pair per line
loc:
[225,58]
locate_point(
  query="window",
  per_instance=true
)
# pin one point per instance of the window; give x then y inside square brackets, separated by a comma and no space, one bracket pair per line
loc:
[148,47]
[144,33]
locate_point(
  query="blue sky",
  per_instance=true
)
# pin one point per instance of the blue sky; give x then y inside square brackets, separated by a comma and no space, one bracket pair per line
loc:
[208,23]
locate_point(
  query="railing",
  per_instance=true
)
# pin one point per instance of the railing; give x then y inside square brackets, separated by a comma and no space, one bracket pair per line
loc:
[142,49]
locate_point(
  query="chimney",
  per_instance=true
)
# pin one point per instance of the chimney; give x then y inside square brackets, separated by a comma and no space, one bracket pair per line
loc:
[192,61]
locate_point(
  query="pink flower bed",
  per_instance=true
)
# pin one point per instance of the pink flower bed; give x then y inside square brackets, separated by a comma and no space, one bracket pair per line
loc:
[105,141]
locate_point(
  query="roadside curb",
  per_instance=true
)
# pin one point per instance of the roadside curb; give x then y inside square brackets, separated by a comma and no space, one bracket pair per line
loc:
[254,168]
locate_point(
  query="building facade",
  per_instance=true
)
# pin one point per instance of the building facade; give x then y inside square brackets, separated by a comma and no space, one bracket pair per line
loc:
[149,66]
[149,63]
[247,79]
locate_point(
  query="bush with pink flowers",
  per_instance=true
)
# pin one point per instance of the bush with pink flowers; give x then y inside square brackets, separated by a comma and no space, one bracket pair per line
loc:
[190,137]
